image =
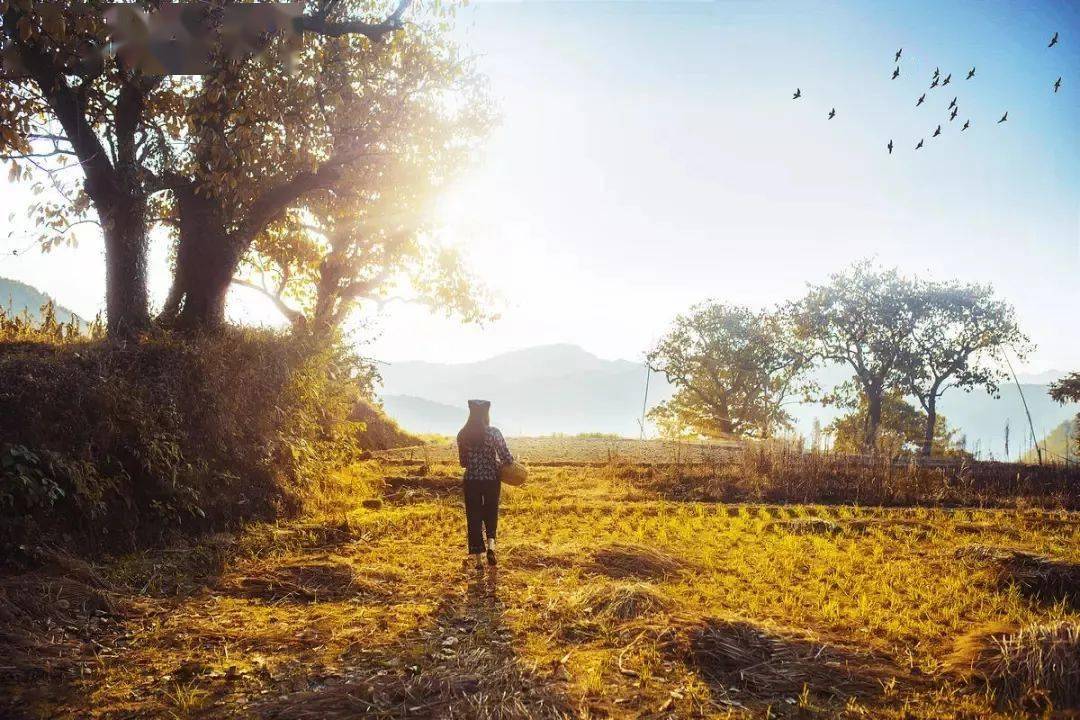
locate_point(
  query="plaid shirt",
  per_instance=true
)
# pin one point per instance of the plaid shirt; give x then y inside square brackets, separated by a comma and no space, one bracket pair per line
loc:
[482,462]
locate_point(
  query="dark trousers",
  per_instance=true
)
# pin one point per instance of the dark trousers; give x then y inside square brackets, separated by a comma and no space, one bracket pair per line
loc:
[481,511]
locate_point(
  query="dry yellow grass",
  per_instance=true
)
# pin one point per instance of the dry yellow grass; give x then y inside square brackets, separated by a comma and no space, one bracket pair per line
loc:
[609,601]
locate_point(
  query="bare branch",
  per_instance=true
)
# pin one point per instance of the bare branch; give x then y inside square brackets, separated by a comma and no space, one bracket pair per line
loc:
[289,313]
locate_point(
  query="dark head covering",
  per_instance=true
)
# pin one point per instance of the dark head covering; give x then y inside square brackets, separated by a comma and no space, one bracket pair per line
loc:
[474,432]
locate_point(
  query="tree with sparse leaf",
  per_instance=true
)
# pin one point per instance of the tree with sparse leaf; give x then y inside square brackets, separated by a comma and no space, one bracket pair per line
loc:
[376,241]
[734,369]
[958,333]
[863,318]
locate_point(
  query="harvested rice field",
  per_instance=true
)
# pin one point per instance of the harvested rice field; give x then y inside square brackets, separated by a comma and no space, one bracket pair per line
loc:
[611,599]
[585,450]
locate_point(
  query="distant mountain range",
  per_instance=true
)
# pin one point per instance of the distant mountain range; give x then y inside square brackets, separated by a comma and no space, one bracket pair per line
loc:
[16,297]
[565,389]
[540,390]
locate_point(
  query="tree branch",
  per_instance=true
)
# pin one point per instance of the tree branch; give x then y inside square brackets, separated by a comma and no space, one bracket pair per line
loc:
[319,25]
[289,313]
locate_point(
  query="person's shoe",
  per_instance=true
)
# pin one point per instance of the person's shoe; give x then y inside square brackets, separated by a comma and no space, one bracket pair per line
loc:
[491,558]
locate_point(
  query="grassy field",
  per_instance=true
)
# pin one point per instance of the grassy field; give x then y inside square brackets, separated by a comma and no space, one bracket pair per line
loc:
[579,450]
[610,600]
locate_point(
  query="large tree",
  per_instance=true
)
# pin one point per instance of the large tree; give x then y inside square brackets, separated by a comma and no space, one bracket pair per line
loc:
[356,138]
[221,157]
[733,369]
[61,99]
[955,342]
[863,318]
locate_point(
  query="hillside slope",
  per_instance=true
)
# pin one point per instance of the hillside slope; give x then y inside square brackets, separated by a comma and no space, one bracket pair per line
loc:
[15,297]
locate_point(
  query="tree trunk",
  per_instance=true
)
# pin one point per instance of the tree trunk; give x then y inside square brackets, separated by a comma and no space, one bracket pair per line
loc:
[206,260]
[873,420]
[931,422]
[126,298]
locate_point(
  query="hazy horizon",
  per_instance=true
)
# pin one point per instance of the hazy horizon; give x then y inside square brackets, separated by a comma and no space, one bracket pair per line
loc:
[657,160]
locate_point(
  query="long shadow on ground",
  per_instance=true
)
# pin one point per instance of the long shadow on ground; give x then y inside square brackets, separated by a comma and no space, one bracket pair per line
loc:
[462,663]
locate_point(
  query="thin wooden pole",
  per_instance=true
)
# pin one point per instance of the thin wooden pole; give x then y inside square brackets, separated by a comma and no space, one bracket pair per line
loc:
[645,402]
[1031,424]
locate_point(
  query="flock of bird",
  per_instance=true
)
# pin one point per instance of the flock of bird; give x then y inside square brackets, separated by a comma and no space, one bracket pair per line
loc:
[937,80]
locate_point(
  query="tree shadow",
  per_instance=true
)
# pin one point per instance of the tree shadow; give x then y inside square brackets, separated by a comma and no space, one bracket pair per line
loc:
[63,615]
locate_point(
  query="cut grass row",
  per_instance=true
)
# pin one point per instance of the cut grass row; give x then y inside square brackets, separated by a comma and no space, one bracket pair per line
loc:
[609,601]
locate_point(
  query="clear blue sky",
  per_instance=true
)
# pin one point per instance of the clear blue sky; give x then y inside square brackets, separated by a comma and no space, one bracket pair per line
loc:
[650,156]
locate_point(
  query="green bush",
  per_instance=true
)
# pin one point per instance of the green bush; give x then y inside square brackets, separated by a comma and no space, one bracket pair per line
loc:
[107,446]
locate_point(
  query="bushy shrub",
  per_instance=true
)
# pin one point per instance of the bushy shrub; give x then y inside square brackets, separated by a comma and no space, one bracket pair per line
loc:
[106,446]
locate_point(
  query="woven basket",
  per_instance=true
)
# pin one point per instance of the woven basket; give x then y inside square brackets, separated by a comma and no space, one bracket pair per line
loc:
[513,474]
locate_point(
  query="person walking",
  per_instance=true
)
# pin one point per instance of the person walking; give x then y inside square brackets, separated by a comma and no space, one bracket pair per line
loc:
[481,451]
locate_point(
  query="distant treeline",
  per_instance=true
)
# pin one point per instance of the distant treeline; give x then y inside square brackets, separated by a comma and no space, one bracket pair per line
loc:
[906,341]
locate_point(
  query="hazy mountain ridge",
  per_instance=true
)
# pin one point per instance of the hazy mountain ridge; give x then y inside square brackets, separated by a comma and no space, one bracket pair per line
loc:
[16,297]
[565,389]
[552,388]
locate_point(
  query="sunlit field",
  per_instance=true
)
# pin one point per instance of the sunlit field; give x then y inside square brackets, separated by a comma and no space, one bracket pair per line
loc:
[610,600]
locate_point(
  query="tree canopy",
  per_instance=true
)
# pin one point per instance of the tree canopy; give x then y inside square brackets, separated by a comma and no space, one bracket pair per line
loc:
[907,336]
[733,369]
[863,318]
[955,343]
[352,108]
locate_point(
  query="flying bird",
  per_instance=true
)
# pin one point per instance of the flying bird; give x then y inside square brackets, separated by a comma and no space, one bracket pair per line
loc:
[937,131]
[919,145]
[952,104]
[1053,41]
[797,95]
[971,72]
[1057,85]
[937,73]
[890,146]
[967,124]
[1003,117]
[898,52]
[947,80]
[953,116]
[832,113]
[896,72]
[922,99]
[934,84]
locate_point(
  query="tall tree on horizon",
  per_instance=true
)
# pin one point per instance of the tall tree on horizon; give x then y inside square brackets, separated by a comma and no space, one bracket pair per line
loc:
[733,368]
[959,330]
[862,317]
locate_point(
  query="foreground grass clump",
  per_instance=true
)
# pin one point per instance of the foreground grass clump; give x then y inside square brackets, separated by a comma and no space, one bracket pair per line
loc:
[107,446]
[622,601]
[1045,579]
[622,560]
[1037,666]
